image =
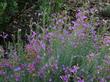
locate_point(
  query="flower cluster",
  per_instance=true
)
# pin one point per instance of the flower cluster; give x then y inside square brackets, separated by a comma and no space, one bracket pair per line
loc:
[70,74]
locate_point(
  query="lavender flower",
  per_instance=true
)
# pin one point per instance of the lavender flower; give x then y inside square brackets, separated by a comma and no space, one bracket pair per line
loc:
[81,80]
[65,78]
[60,21]
[17,69]
[2,72]
[42,71]
[17,77]
[54,66]
[43,45]
[65,69]
[31,68]
[102,80]
[106,40]
[4,35]
[33,34]
[74,69]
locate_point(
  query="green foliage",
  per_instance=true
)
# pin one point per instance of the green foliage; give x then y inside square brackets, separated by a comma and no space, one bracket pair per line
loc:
[69,55]
[8,8]
[48,7]
[2,7]
[106,11]
[69,52]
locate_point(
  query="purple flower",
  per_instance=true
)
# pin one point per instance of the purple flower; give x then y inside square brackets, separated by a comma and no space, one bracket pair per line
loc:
[81,80]
[65,78]
[85,25]
[2,72]
[102,80]
[42,71]
[48,35]
[74,69]
[31,68]
[76,24]
[54,66]
[74,44]
[60,21]
[106,40]
[43,45]
[33,34]
[17,77]
[54,27]
[65,69]
[81,15]
[6,64]
[17,69]
[71,28]
[95,39]
[4,35]
[65,32]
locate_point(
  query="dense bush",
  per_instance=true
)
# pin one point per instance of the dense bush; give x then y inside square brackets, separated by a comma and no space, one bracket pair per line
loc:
[24,15]
[63,45]
[12,9]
